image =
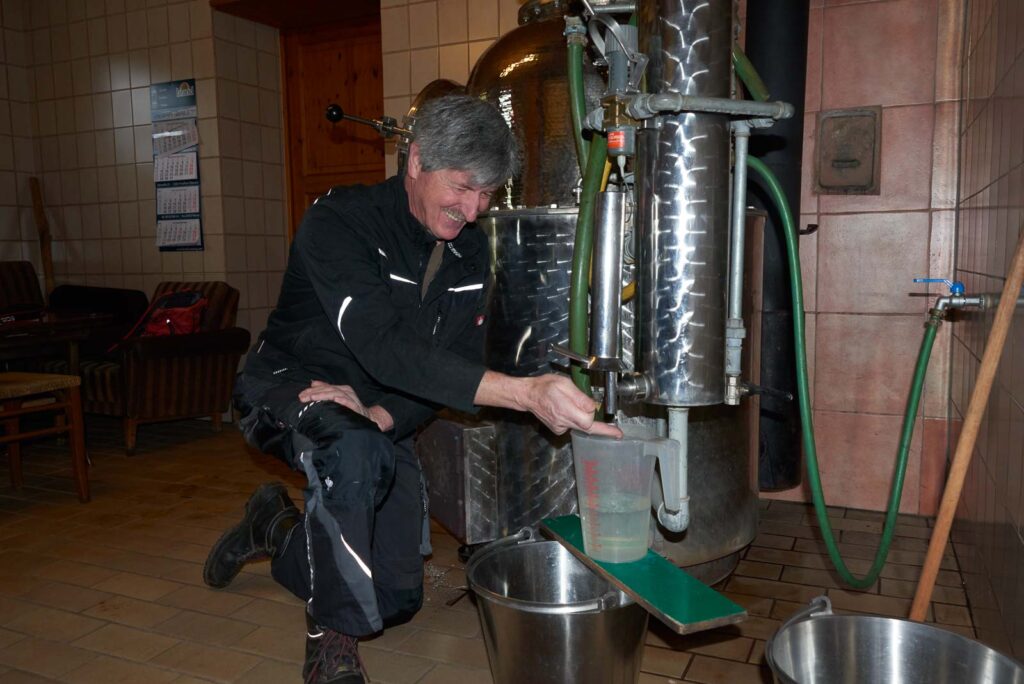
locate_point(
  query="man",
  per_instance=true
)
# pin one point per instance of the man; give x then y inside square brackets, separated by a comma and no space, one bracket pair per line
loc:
[379,323]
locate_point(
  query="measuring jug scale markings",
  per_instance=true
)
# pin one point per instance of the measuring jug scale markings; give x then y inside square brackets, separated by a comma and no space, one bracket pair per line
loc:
[613,482]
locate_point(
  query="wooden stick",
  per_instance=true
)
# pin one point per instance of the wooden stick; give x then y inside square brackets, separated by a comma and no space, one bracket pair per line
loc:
[969,433]
[45,251]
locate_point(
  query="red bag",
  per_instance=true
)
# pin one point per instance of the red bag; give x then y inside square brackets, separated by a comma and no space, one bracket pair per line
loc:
[172,313]
[175,313]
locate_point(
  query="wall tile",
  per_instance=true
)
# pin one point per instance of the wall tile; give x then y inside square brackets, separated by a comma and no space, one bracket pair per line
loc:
[117,33]
[98,36]
[105,148]
[160,64]
[138,64]
[476,49]
[879,53]
[423,68]
[815,51]
[137,30]
[143,143]
[422,24]
[869,260]
[859,373]
[452,21]
[483,20]
[201,19]
[81,77]
[396,74]
[394,29]
[41,47]
[122,107]
[857,452]
[140,106]
[508,15]
[202,58]
[181,61]
[454,62]
[78,35]
[120,71]
[944,155]
[247,67]
[948,51]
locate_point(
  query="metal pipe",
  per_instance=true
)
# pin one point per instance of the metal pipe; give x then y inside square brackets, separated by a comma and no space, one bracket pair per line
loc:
[734,329]
[612,7]
[645,106]
[606,291]
[963,301]
[675,515]
[739,202]
[611,397]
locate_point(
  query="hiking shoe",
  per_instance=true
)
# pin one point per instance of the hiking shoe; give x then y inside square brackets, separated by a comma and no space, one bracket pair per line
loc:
[270,517]
[331,657]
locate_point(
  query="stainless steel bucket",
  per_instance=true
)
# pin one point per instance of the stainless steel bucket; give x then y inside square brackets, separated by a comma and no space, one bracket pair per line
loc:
[547,619]
[817,647]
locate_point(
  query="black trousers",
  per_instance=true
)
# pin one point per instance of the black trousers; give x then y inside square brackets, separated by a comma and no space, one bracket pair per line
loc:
[359,565]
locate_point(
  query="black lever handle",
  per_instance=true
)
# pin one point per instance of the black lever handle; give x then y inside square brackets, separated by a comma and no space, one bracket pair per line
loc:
[751,388]
[387,126]
[335,113]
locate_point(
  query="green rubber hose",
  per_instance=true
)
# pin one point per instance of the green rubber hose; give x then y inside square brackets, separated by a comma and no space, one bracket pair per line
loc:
[577,101]
[582,252]
[810,453]
[748,75]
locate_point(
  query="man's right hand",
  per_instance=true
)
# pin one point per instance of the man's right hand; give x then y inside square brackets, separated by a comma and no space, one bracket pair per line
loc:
[553,399]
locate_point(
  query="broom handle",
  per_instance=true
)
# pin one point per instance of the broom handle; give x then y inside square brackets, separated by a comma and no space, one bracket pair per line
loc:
[969,433]
[43,227]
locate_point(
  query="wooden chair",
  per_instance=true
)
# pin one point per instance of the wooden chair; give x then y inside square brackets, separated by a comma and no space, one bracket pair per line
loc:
[25,393]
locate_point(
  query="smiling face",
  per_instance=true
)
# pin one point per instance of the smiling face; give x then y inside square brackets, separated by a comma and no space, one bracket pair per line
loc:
[444,200]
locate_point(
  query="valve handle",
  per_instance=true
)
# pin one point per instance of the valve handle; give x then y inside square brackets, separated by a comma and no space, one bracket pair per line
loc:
[585,361]
[751,388]
[956,288]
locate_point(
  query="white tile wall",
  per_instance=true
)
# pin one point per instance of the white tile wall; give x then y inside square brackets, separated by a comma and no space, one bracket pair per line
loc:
[74,109]
[423,40]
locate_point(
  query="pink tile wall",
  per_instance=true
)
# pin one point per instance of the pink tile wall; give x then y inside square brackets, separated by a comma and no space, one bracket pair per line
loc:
[989,212]
[902,55]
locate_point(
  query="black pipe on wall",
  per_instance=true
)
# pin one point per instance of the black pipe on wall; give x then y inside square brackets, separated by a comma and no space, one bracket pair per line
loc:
[776,43]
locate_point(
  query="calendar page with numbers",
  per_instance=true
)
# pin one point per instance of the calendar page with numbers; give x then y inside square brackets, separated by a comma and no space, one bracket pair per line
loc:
[179,224]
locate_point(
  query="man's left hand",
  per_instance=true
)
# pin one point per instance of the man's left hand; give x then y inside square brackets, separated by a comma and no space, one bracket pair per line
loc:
[347,397]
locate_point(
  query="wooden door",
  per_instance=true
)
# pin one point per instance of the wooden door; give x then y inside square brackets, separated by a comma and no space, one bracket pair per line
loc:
[339,64]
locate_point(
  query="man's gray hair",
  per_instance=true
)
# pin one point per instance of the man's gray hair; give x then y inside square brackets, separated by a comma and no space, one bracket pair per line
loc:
[466,133]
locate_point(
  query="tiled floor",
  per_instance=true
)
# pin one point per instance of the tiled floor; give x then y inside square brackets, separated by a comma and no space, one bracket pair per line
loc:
[111,591]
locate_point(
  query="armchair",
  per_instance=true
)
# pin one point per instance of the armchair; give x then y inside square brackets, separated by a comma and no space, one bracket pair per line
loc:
[153,379]
[19,287]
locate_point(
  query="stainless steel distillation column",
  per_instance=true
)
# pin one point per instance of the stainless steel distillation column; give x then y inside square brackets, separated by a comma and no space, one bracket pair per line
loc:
[682,180]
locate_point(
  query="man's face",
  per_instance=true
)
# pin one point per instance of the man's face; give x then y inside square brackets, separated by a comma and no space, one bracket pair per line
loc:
[444,200]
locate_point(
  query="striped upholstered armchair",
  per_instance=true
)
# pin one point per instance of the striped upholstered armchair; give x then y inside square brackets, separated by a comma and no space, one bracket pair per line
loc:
[153,379]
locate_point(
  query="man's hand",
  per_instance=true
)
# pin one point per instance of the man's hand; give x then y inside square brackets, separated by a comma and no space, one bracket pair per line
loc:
[553,399]
[347,397]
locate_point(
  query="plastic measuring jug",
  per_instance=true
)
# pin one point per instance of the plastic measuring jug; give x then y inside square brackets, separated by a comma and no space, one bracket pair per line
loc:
[613,484]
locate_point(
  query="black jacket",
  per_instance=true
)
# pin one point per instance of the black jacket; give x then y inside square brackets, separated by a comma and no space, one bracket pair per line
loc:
[350,312]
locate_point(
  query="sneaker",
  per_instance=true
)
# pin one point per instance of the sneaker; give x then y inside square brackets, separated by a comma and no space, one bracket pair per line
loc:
[266,527]
[331,657]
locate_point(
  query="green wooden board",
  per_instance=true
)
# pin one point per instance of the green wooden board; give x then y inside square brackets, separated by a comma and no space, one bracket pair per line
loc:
[684,604]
